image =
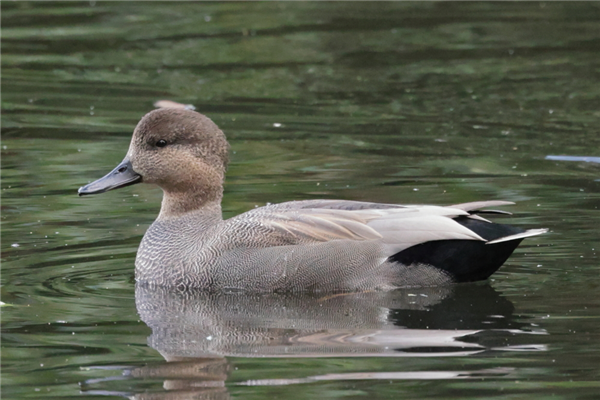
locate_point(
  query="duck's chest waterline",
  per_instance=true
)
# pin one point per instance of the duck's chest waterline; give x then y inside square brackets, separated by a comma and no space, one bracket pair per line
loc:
[170,252]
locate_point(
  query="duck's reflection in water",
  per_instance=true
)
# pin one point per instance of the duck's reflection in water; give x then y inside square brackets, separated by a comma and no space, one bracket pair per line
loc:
[196,331]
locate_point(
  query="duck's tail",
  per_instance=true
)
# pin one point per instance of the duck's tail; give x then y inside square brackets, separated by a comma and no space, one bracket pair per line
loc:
[468,260]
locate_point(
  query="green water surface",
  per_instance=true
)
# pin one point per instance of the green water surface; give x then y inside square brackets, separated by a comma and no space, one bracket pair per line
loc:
[415,103]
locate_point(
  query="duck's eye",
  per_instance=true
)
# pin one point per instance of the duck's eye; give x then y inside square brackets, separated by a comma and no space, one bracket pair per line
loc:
[161,143]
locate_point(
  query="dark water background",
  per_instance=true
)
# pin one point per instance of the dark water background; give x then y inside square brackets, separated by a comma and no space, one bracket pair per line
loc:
[433,103]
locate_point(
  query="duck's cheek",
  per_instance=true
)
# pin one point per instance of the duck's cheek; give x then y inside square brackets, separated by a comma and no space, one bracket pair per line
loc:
[148,170]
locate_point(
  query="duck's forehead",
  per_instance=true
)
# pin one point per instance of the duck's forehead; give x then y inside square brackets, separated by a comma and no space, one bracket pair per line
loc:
[166,124]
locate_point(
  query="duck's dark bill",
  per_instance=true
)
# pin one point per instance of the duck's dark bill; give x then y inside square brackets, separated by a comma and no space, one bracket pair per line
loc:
[123,175]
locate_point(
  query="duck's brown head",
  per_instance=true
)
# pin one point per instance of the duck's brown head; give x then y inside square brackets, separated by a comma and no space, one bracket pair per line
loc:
[181,151]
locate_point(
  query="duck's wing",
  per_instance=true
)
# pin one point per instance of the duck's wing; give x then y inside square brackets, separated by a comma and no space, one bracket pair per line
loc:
[396,228]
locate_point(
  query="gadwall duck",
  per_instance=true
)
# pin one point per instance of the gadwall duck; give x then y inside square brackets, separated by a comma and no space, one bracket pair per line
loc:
[310,245]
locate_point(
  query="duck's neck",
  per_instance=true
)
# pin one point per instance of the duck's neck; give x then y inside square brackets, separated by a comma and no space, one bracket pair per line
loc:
[206,203]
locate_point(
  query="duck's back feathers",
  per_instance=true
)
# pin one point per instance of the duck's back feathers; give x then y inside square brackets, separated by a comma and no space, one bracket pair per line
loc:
[397,227]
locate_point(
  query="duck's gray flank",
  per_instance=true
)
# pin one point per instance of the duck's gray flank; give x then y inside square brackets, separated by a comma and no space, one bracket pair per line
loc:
[312,245]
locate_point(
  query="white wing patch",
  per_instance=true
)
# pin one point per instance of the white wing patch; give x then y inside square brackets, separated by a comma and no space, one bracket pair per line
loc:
[398,227]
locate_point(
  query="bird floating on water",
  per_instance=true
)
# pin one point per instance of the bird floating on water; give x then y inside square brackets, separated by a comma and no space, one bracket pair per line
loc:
[309,245]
